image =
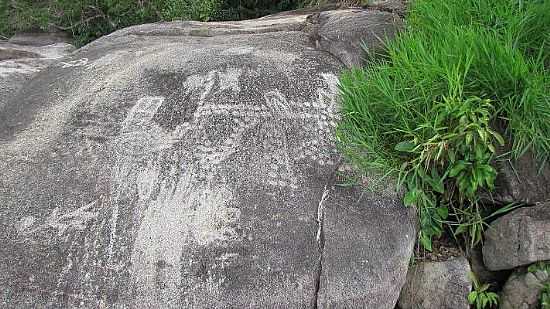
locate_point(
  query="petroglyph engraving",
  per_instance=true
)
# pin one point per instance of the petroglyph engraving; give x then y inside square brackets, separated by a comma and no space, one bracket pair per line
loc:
[184,206]
[76,220]
[236,51]
[10,67]
[74,63]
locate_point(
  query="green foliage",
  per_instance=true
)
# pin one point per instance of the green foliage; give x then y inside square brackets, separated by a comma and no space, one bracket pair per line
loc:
[90,19]
[429,109]
[4,27]
[471,223]
[545,296]
[247,9]
[481,297]
[539,266]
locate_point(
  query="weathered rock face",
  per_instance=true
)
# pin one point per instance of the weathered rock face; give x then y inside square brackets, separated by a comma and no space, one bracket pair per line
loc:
[395,6]
[183,165]
[40,38]
[518,238]
[522,290]
[19,63]
[437,285]
[524,180]
[344,33]
[484,275]
[358,269]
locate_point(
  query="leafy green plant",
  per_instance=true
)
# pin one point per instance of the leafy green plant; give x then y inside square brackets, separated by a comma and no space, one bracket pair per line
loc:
[481,297]
[448,161]
[428,110]
[545,296]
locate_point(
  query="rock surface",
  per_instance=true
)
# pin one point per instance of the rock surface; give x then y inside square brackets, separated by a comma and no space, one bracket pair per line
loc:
[495,278]
[40,38]
[368,242]
[518,238]
[394,6]
[523,180]
[435,285]
[183,164]
[522,290]
[19,63]
[346,33]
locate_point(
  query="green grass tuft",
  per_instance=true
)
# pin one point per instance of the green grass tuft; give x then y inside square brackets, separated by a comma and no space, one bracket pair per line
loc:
[461,72]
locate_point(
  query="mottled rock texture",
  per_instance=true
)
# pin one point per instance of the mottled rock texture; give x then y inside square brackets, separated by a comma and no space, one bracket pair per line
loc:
[19,63]
[435,285]
[394,6]
[368,240]
[346,33]
[185,165]
[525,180]
[519,238]
[522,290]
[484,275]
[40,38]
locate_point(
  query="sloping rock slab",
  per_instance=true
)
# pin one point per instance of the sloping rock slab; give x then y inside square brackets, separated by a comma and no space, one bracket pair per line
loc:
[173,165]
[19,63]
[519,238]
[368,243]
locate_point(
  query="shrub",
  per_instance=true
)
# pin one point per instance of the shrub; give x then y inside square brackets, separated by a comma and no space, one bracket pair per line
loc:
[90,19]
[431,108]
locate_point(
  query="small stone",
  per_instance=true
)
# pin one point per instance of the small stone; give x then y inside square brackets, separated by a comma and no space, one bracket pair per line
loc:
[519,238]
[435,285]
[522,290]
[524,180]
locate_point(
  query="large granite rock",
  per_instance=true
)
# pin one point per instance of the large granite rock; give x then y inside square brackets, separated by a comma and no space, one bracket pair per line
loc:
[182,165]
[434,285]
[519,238]
[522,290]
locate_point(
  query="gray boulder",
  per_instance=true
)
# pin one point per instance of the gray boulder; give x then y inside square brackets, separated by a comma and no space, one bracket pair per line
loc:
[346,33]
[182,165]
[524,180]
[518,238]
[522,290]
[437,285]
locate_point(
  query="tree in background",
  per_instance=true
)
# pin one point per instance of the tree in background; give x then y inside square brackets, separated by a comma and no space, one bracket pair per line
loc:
[90,19]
